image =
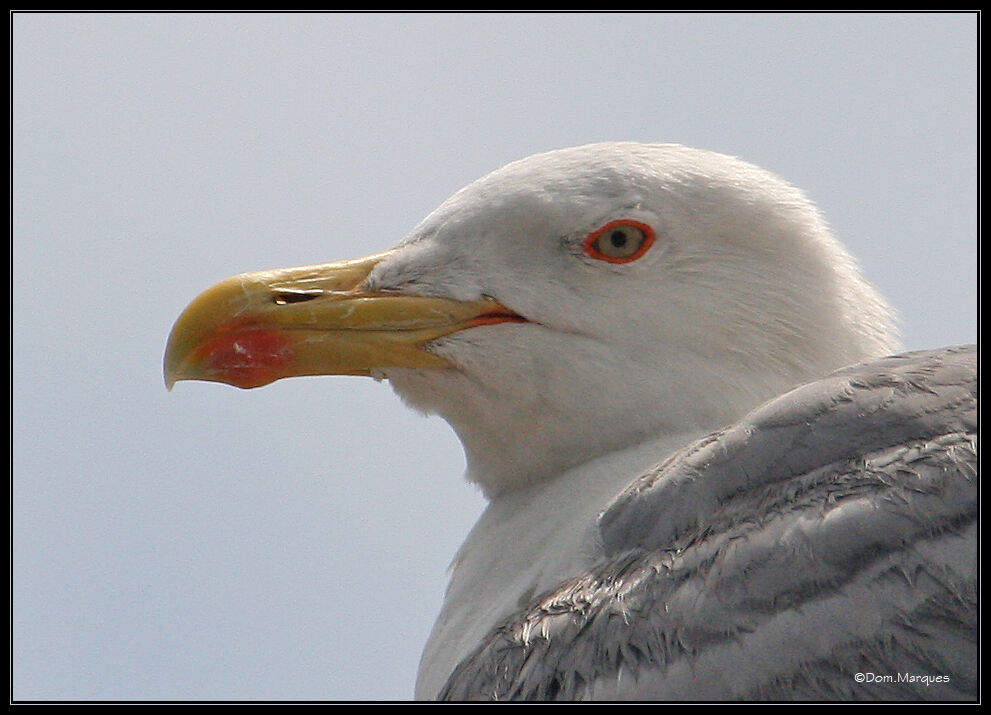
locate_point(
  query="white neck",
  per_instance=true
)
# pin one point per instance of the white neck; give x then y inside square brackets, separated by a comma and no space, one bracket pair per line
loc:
[526,542]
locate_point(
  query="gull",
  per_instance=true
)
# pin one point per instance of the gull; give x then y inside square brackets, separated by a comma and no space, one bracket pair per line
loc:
[710,473]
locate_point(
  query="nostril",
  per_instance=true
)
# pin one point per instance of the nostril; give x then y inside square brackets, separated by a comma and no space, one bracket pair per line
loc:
[285,297]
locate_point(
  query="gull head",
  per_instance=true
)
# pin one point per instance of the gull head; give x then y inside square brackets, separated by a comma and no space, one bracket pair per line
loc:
[568,305]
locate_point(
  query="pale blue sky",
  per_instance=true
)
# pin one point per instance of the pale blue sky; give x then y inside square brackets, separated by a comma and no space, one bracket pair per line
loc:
[291,542]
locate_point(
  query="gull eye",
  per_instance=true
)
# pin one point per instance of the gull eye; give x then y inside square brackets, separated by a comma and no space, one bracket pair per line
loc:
[620,241]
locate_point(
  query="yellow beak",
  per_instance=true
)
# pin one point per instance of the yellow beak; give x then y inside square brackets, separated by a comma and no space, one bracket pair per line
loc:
[256,328]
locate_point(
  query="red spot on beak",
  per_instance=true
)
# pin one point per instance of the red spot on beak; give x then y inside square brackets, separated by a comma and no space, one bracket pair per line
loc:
[247,357]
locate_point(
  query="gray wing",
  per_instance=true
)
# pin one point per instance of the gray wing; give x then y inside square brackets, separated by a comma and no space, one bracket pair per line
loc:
[823,548]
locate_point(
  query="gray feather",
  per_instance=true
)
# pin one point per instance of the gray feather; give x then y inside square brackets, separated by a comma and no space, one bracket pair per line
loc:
[832,532]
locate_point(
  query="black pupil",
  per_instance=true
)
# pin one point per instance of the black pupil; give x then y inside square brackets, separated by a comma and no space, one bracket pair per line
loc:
[617,239]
